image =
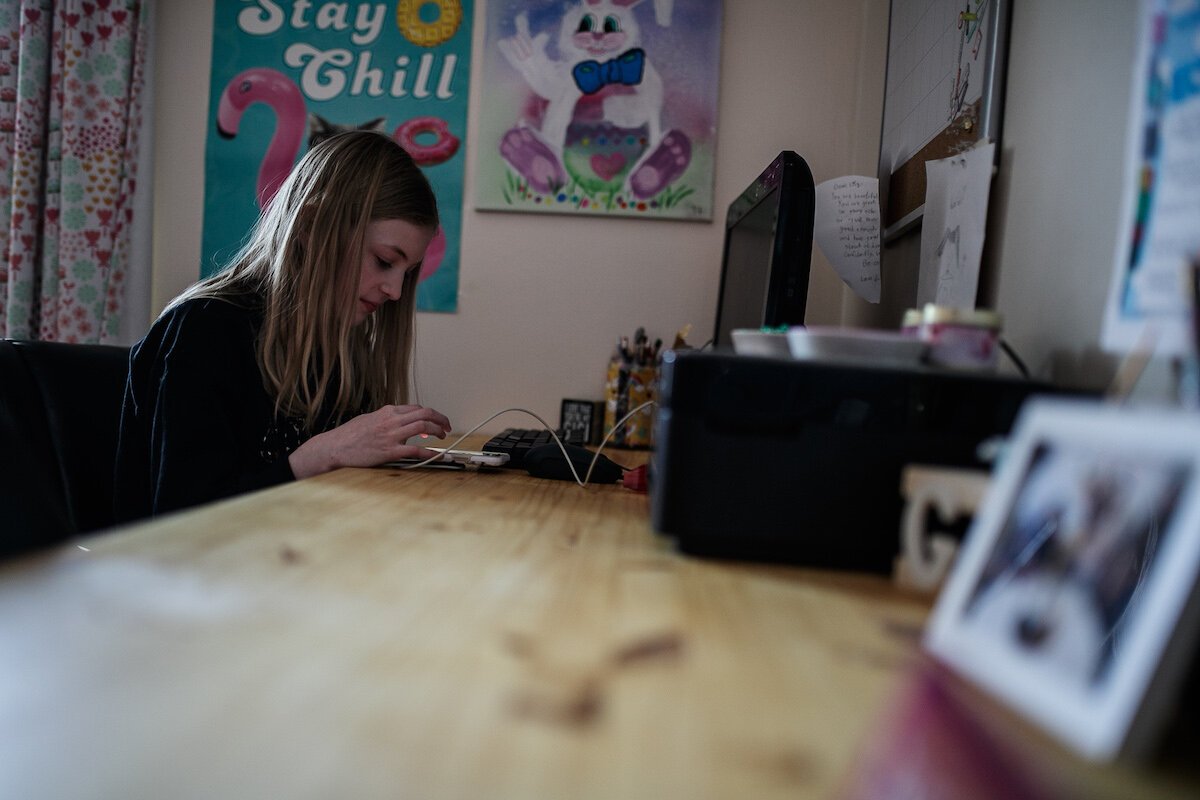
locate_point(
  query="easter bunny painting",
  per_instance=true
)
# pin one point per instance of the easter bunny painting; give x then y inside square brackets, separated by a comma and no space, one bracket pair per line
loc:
[600,125]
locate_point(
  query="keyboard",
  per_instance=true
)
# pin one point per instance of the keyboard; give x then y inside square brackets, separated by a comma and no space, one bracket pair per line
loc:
[517,442]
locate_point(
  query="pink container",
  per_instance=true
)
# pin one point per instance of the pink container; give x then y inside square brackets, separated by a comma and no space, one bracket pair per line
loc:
[961,338]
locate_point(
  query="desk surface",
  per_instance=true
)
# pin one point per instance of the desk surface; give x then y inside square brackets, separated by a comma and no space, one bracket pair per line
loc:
[426,633]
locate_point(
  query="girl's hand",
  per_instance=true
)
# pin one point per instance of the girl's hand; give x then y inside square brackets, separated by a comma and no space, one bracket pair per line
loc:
[369,440]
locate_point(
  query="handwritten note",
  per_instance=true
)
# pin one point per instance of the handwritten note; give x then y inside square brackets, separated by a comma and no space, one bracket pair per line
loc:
[956,204]
[846,228]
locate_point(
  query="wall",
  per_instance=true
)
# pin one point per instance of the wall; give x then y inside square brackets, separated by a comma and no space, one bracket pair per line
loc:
[805,75]
[1056,199]
[1058,195]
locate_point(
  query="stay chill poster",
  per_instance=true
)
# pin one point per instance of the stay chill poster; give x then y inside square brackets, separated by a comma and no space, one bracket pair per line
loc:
[285,74]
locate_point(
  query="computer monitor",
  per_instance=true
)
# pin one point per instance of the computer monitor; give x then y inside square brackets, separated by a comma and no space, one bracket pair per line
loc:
[768,250]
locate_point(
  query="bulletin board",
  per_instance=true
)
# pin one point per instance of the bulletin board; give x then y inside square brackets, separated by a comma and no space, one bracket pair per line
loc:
[943,94]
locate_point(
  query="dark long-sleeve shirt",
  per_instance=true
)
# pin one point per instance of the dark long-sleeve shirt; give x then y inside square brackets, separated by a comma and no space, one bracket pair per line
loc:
[197,423]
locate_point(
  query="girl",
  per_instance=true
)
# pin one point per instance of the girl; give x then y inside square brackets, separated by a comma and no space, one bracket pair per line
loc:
[295,359]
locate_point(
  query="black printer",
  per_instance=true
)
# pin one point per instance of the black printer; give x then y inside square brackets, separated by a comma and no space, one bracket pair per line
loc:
[775,459]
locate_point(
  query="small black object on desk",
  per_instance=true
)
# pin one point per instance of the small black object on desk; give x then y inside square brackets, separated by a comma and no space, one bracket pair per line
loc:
[777,459]
[516,442]
[547,461]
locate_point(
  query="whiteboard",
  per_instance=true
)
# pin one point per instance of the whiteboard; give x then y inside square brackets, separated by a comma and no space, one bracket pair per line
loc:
[942,93]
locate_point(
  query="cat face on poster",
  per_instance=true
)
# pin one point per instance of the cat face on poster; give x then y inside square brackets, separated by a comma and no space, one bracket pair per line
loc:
[603,103]
[320,129]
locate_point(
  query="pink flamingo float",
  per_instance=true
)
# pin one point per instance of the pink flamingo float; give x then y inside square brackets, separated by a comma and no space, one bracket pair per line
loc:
[283,96]
[263,85]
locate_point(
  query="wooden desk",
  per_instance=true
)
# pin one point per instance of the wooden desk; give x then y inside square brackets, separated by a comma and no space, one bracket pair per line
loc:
[378,633]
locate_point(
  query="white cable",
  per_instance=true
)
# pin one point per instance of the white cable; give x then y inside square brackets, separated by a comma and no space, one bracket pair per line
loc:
[587,476]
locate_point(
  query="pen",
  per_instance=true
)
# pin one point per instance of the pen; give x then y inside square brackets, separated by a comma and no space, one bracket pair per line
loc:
[638,352]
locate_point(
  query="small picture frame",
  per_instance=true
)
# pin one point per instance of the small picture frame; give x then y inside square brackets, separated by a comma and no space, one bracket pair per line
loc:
[1074,596]
[579,421]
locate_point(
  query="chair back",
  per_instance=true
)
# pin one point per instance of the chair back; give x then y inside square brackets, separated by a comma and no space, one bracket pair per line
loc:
[60,411]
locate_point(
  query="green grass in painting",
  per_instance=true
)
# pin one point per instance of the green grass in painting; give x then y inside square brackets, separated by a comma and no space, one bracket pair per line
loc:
[575,196]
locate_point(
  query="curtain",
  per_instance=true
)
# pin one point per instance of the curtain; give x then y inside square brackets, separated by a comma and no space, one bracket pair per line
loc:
[71,80]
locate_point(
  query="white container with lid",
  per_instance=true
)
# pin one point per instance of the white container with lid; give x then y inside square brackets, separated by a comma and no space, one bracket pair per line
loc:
[962,338]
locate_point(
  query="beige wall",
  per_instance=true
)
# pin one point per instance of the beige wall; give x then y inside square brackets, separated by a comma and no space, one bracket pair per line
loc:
[1055,202]
[543,298]
[805,75]
[1058,196]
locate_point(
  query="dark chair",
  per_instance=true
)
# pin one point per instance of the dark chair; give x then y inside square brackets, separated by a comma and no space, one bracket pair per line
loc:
[60,408]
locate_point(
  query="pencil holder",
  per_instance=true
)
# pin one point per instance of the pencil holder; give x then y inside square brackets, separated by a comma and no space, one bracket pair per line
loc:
[627,386]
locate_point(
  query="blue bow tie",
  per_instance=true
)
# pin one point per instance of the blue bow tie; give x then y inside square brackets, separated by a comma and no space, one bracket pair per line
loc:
[626,69]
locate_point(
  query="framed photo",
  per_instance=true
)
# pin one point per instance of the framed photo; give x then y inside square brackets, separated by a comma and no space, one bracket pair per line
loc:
[580,421]
[1074,597]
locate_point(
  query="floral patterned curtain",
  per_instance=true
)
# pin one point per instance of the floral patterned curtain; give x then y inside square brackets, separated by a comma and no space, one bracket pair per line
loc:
[71,82]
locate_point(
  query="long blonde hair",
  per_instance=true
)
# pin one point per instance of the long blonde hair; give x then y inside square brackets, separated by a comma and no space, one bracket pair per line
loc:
[303,259]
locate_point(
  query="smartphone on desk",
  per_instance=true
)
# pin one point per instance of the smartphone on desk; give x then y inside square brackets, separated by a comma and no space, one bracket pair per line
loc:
[483,458]
[480,458]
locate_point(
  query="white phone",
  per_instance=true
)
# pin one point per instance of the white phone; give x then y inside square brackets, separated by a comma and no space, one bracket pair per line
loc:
[480,457]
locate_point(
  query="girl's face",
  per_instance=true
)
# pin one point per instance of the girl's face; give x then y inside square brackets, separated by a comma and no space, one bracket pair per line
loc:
[391,248]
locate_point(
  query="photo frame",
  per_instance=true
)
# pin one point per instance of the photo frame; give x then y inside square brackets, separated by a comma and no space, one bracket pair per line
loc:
[1073,598]
[580,421]
[943,93]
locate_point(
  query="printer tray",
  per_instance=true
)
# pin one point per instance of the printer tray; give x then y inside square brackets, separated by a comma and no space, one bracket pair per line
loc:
[771,459]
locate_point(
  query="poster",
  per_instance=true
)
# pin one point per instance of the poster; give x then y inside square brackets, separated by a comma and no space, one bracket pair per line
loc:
[287,72]
[1149,303]
[600,107]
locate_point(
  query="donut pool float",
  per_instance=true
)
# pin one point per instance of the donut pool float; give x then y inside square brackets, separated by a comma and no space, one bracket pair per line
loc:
[428,23]
[414,136]
[433,255]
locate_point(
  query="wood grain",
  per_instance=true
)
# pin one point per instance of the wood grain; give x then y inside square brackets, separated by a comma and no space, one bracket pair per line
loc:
[384,633]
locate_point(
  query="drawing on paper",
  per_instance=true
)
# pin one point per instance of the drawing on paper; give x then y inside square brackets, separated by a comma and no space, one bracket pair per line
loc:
[604,106]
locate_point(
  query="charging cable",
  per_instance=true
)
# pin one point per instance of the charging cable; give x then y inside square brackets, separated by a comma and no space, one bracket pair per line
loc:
[587,476]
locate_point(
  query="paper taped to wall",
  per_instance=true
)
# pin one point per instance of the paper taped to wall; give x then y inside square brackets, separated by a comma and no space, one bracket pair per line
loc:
[956,204]
[846,227]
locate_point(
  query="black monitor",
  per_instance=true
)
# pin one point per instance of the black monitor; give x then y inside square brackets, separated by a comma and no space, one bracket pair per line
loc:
[768,250]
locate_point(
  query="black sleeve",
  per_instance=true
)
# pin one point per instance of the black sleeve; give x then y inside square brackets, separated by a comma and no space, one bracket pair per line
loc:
[195,413]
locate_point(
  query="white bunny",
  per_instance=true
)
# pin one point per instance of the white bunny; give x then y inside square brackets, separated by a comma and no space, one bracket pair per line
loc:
[600,55]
